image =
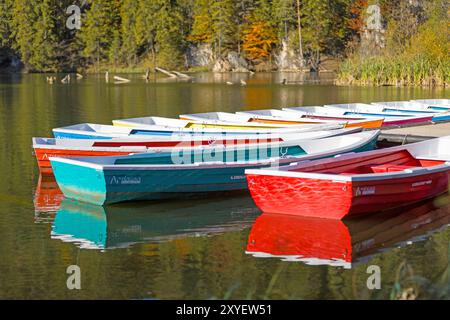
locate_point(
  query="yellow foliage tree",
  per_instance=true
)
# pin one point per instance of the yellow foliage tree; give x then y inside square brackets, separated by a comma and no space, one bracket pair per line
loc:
[258,40]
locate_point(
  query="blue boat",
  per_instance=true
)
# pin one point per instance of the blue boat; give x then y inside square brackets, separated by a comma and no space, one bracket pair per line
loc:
[105,180]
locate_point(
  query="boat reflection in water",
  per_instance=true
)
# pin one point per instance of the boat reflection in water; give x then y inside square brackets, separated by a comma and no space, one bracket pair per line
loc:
[120,226]
[317,241]
[47,197]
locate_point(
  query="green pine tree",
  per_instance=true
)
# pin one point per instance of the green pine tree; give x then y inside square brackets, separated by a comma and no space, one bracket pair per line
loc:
[45,38]
[34,32]
[224,29]
[5,22]
[145,29]
[168,36]
[129,46]
[96,34]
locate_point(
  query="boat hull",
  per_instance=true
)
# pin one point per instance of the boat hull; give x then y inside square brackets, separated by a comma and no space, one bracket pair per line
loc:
[442,117]
[294,118]
[335,199]
[436,116]
[367,124]
[395,121]
[102,187]
[43,155]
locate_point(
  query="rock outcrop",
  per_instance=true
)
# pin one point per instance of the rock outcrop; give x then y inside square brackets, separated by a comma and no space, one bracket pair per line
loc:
[222,65]
[288,60]
[237,63]
[233,62]
[200,56]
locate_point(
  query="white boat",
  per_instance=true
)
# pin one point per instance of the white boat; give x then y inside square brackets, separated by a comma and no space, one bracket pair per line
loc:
[280,116]
[248,118]
[398,118]
[415,108]
[215,120]
[296,117]
[412,106]
[226,122]
[339,113]
[100,131]
[432,103]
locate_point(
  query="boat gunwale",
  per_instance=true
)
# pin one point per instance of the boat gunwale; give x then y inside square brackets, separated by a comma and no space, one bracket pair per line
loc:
[88,144]
[365,108]
[343,121]
[407,173]
[333,111]
[134,126]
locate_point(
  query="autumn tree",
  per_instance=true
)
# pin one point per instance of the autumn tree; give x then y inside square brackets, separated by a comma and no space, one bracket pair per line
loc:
[218,23]
[259,40]
[202,27]
[355,21]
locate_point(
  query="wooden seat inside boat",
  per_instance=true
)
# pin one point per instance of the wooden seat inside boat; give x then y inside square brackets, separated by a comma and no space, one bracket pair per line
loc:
[379,168]
[396,161]
[390,168]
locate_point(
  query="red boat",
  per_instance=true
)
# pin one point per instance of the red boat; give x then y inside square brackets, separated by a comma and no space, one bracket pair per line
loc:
[354,184]
[317,241]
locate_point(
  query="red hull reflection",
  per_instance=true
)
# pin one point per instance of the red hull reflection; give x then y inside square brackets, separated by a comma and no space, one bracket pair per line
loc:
[47,197]
[342,243]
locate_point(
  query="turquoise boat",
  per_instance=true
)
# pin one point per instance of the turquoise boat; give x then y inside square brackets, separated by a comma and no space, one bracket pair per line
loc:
[90,226]
[106,180]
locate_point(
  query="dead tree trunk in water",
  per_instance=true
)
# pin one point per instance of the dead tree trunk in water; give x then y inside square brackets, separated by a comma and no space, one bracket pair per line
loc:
[168,73]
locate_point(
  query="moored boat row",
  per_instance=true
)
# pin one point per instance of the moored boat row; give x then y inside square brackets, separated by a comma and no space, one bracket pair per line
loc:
[44,148]
[296,159]
[103,180]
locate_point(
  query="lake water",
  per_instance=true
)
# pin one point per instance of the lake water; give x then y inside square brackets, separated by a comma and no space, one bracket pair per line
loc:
[219,247]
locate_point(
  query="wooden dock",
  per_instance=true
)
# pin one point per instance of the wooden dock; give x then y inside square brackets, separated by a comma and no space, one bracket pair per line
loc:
[414,133]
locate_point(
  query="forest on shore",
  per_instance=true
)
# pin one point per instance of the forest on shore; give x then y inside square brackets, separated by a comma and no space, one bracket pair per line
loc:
[398,42]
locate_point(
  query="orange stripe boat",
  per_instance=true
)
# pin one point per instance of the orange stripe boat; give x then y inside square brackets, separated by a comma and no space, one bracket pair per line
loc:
[275,116]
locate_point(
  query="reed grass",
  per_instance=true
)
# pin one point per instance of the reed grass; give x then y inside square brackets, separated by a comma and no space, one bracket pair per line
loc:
[395,71]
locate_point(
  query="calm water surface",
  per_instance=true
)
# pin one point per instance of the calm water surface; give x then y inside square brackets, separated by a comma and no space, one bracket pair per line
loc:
[210,248]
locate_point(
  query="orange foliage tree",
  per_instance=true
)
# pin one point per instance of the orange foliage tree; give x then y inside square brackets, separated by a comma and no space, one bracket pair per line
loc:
[356,21]
[258,40]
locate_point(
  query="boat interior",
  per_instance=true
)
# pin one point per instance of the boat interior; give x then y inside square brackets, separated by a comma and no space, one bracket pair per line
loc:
[381,163]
